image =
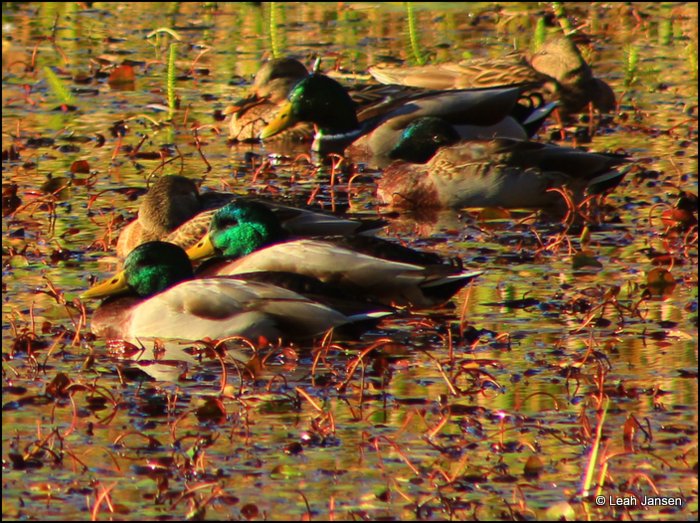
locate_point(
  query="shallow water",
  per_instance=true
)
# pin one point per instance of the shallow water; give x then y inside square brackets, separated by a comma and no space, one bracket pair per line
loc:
[440,420]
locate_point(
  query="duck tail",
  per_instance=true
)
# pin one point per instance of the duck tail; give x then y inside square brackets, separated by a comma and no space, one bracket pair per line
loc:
[369,316]
[443,288]
[607,181]
[531,111]
[359,323]
[536,118]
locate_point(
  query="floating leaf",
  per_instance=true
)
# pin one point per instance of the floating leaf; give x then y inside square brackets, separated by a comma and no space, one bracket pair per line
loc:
[585,259]
[250,511]
[286,471]
[533,467]
[59,186]
[681,219]
[293,448]
[80,166]
[57,387]
[10,155]
[562,511]
[122,78]
[212,410]
[493,214]
[10,200]
[660,282]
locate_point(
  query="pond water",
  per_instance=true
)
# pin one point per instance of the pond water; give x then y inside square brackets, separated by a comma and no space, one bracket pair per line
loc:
[487,408]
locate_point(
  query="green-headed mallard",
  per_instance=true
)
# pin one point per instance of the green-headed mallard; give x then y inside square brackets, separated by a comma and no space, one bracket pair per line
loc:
[250,236]
[557,67]
[495,173]
[373,132]
[272,84]
[174,210]
[163,301]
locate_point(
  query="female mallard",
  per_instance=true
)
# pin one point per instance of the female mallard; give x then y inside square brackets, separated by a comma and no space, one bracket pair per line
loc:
[558,67]
[272,84]
[174,210]
[165,302]
[497,173]
[252,237]
[484,113]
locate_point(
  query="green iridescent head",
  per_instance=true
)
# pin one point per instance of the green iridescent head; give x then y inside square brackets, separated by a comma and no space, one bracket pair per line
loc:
[237,229]
[149,269]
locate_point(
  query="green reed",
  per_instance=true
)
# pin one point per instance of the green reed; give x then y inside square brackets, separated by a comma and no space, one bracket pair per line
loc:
[691,51]
[58,87]
[413,34]
[170,79]
[540,34]
[631,64]
[274,34]
[560,14]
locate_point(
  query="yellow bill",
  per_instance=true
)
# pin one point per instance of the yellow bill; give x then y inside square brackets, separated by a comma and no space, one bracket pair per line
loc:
[114,285]
[282,120]
[204,248]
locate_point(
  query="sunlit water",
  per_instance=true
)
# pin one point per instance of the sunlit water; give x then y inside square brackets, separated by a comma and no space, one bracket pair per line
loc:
[434,421]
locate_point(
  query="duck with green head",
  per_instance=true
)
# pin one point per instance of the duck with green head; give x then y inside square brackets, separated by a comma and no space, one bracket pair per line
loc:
[157,297]
[250,239]
[450,173]
[272,84]
[481,113]
[174,210]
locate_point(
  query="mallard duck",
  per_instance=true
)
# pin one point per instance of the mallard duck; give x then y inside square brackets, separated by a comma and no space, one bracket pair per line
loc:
[482,113]
[164,301]
[251,238]
[557,67]
[495,173]
[174,210]
[272,84]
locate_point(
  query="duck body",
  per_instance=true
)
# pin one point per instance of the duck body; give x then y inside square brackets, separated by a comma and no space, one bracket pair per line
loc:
[217,308]
[558,68]
[250,238]
[162,302]
[475,114]
[388,282]
[174,210]
[498,173]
